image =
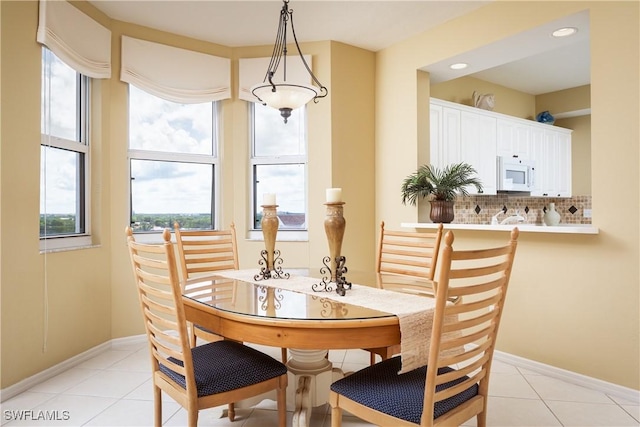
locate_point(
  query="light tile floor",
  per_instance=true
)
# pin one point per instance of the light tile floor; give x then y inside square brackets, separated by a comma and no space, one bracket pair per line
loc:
[114,389]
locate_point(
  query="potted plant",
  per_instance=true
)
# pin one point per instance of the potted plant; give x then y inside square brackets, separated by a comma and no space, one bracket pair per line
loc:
[441,186]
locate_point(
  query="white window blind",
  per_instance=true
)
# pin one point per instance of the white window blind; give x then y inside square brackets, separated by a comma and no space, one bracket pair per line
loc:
[74,37]
[175,74]
[253,71]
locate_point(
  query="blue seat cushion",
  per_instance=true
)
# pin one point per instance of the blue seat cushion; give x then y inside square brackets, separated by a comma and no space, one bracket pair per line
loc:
[381,388]
[227,365]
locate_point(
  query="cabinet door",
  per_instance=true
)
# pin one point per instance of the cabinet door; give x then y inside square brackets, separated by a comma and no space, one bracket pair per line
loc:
[513,139]
[478,148]
[551,151]
[540,154]
[562,153]
[445,135]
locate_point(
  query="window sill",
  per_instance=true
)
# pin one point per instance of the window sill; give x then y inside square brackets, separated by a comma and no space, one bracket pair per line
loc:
[283,235]
[63,244]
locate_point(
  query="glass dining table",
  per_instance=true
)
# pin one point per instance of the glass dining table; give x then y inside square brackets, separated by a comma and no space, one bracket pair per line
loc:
[308,324]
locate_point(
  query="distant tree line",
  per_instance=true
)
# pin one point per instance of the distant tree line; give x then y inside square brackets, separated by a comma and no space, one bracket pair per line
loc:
[150,222]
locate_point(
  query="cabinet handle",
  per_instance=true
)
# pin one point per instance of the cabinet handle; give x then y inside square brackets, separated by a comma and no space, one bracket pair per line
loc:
[545,194]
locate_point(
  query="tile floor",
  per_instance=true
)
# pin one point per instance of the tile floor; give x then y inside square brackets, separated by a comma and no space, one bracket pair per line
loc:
[114,389]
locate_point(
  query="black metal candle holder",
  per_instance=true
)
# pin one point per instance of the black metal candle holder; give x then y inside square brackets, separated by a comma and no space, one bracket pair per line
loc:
[271,273]
[340,280]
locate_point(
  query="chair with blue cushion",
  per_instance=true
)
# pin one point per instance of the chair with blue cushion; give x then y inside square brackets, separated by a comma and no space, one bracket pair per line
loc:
[203,253]
[453,386]
[213,374]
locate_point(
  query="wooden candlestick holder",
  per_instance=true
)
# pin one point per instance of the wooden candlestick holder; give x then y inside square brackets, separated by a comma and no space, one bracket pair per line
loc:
[334,226]
[271,260]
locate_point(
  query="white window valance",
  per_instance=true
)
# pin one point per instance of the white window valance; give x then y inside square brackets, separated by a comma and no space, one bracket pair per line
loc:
[175,74]
[253,70]
[75,38]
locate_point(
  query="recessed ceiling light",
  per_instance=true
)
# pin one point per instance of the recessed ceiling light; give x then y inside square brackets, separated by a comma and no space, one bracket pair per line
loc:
[564,32]
[458,66]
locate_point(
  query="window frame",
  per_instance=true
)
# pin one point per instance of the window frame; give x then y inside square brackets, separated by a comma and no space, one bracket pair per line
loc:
[301,234]
[81,145]
[166,156]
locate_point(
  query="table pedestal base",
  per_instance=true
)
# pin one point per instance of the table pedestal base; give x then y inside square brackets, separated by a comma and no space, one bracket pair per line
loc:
[310,376]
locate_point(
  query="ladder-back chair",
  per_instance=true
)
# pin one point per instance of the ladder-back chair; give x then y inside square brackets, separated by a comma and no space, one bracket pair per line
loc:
[213,374]
[202,253]
[454,385]
[410,254]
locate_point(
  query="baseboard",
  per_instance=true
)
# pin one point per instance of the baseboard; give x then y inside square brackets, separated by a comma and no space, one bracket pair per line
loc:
[571,377]
[27,383]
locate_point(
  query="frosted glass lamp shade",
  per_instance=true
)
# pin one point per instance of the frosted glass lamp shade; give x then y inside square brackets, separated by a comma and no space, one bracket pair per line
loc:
[286,97]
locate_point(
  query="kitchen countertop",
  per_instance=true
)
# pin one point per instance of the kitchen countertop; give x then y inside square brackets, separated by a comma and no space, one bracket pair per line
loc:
[524,228]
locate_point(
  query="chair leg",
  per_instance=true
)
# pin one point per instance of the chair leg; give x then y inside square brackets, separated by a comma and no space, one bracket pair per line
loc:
[157,406]
[336,416]
[284,355]
[282,405]
[372,358]
[192,416]
[232,411]
[481,419]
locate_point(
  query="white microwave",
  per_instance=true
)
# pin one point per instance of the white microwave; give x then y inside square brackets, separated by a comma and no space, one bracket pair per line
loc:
[515,174]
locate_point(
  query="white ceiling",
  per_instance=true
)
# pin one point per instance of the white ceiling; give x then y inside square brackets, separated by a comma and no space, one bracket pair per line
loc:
[531,62]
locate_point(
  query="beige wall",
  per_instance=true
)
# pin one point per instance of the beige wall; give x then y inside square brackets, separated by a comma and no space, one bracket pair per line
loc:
[508,101]
[565,308]
[563,101]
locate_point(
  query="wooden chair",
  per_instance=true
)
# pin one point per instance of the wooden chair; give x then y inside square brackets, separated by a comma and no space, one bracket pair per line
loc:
[410,254]
[454,385]
[204,252]
[213,374]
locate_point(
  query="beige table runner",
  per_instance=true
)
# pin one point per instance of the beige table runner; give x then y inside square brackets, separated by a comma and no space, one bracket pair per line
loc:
[415,313]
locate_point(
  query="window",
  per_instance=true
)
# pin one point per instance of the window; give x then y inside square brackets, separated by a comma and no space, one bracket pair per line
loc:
[279,165]
[173,158]
[64,155]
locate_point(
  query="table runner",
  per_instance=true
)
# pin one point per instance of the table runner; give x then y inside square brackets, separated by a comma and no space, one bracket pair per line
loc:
[415,313]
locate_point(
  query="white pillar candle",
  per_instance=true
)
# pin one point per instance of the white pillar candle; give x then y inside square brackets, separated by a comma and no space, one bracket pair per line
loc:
[268,199]
[334,195]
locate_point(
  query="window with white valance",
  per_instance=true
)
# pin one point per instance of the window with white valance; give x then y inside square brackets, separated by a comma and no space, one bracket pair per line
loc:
[75,38]
[174,74]
[253,71]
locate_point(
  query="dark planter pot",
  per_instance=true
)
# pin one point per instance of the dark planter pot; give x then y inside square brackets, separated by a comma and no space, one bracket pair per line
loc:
[441,211]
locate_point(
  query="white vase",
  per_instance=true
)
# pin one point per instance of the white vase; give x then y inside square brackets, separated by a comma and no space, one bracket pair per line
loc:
[551,216]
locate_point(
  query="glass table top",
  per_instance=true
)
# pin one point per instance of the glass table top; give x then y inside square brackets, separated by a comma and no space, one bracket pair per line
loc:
[253,299]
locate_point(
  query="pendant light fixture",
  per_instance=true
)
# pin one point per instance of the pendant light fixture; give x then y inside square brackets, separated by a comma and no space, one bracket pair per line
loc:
[286,95]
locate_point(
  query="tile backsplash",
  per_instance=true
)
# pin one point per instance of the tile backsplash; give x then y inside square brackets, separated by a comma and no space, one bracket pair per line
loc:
[480,209]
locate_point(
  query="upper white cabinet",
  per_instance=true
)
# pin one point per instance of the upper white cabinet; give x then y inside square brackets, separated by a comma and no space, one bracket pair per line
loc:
[514,139]
[460,133]
[551,151]
[445,135]
[478,148]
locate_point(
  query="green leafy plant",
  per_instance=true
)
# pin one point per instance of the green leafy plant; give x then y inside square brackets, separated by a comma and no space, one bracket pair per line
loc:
[439,184]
